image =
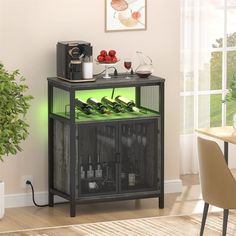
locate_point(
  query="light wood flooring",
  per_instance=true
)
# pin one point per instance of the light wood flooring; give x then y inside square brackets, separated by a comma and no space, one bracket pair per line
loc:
[187,202]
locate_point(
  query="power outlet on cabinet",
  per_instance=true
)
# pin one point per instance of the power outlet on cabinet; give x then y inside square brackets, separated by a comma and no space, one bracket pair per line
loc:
[24,178]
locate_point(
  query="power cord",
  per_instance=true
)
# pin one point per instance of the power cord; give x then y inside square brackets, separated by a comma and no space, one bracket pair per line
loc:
[115,71]
[99,73]
[32,188]
[38,205]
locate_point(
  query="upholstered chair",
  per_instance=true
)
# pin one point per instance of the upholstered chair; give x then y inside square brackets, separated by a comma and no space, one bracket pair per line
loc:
[217,182]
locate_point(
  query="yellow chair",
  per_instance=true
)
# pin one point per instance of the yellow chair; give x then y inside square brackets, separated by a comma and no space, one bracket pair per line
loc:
[217,182]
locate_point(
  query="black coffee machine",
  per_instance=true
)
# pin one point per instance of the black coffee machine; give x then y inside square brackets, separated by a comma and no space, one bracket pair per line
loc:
[70,57]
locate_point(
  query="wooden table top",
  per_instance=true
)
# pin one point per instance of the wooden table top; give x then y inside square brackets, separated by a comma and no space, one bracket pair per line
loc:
[225,133]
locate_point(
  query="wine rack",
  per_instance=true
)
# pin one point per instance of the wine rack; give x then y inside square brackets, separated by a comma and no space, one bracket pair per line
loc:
[110,155]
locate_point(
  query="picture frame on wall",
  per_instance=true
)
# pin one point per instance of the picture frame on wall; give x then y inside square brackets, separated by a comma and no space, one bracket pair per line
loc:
[125,15]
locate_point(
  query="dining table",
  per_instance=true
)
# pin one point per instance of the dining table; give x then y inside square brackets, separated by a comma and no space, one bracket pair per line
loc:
[225,133]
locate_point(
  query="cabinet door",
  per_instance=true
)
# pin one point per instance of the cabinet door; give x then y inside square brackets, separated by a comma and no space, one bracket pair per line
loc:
[140,160]
[97,151]
[61,156]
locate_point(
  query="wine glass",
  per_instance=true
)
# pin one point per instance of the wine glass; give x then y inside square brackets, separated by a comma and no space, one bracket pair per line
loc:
[127,65]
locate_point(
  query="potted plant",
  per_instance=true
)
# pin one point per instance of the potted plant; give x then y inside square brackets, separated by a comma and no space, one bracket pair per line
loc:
[14,104]
[230,96]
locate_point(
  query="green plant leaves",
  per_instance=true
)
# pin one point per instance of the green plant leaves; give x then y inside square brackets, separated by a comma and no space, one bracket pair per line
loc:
[14,105]
[231,95]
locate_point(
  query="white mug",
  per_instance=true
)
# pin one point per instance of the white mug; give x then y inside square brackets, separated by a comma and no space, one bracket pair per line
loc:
[87,68]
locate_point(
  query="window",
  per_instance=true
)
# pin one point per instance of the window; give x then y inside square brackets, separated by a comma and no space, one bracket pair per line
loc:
[208,62]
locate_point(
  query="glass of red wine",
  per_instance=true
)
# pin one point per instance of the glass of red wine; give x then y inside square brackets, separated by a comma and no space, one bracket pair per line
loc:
[127,65]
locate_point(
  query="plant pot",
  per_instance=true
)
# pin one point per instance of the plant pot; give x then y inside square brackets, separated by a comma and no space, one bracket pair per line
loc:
[2,209]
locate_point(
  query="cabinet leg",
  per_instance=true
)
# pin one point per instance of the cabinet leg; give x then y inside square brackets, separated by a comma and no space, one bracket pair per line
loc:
[72,209]
[161,202]
[51,200]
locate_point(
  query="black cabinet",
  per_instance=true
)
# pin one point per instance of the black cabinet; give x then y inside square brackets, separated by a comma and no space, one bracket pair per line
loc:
[107,157]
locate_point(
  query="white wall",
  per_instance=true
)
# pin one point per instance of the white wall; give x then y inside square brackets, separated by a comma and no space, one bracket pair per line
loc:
[29,32]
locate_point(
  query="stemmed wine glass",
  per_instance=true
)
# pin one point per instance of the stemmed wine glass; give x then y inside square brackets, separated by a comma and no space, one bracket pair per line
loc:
[127,65]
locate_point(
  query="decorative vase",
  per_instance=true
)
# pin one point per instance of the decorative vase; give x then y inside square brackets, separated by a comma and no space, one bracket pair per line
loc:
[145,67]
[2,209]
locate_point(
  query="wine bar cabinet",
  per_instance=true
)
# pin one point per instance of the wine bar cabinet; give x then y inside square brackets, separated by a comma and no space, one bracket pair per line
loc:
[106,140]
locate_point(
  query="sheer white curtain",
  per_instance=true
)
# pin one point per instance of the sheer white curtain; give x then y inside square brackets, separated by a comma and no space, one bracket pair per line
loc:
[201,91]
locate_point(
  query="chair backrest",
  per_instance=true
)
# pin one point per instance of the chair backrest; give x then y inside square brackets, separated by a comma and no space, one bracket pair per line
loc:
[217,182]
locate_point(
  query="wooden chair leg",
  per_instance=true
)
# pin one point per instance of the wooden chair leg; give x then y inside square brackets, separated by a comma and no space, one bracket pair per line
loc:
[225,221]
[204,216]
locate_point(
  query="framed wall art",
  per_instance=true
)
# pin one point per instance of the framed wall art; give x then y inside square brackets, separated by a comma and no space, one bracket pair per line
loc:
[122,15]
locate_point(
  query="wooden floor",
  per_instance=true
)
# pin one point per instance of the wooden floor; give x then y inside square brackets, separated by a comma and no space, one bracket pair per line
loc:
[187,202]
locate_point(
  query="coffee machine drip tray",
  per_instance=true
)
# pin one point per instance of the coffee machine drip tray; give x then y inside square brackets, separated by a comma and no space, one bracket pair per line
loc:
[78,80]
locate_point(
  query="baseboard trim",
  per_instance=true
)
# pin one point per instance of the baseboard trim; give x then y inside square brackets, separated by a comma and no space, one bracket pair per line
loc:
[173,186]
[25,199]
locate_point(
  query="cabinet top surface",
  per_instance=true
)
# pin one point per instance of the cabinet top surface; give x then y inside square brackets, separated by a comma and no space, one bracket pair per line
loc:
[118,81]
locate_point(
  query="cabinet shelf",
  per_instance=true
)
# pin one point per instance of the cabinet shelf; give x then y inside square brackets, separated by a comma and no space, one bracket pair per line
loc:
[128,146]
[82,118]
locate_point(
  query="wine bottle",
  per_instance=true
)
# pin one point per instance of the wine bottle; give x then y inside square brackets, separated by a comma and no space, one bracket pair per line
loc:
[112,104]
[82,172]
[98,171]
[139,134]
[129,138]
[131,176]
[128,104]
[97,105]
[83,106]
[90,171]
[144,137]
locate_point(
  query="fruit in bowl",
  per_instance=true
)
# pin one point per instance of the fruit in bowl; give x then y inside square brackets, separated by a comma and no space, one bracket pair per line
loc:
[107,57]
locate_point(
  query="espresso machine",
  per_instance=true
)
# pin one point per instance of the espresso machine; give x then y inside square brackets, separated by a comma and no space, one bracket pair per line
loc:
[70,58]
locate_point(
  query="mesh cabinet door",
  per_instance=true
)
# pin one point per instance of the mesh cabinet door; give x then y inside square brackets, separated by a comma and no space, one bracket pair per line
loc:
[97,148]
[140,157]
